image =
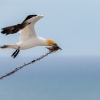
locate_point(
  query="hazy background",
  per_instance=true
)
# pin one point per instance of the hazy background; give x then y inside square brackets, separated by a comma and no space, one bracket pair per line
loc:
[72,73]
[73,24]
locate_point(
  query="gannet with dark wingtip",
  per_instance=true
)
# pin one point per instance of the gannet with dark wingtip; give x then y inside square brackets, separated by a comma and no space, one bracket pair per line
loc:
[28,37]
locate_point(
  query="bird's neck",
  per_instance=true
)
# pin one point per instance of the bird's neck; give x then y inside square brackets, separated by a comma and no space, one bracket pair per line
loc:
[43,41]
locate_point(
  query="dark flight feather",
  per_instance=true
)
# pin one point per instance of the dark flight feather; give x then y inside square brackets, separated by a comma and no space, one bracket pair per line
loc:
[28,17]
[14,28]
[10,29]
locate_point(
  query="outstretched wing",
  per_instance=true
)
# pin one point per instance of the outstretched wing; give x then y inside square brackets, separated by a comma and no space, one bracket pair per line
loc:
[26,28]
[27,33]
[15,28]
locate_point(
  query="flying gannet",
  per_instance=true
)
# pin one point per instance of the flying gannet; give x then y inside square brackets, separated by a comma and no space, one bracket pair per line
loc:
[28,37]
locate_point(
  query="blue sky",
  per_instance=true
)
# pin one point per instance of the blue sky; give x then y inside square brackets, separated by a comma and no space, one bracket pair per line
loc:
[73,24]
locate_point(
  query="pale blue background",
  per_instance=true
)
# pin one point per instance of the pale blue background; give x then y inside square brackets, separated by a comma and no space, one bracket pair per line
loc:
[73,24]
[70,74]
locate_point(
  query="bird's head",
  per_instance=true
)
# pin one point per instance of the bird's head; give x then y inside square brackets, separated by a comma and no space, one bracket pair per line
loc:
[52,43]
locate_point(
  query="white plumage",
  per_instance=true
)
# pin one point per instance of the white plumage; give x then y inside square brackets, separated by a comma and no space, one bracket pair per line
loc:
[29,32]
[28,37]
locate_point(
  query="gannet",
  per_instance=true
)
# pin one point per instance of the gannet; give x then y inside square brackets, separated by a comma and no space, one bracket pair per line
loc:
[28,37]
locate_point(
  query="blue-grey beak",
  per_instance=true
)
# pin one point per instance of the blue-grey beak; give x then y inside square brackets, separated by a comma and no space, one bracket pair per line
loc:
[57,46]
[53,48]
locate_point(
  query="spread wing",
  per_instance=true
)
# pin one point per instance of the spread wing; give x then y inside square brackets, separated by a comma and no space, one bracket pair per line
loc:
[27,33]
[26,28]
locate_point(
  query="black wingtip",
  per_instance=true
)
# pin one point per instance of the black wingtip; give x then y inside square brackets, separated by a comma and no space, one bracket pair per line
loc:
[30,16]
[4,46]
[5,31]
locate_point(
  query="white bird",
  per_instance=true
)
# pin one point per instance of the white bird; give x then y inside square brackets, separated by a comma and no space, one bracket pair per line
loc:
[28,37]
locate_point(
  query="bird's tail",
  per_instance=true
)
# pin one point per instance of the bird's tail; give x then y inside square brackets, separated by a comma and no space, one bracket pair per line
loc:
[9,47]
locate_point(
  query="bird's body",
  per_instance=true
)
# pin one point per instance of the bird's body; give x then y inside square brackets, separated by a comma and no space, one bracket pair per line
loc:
[28,37]
[37,41]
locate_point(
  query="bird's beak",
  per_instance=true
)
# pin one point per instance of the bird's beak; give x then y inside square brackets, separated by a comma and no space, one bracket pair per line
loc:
[54,48]
[58,47]
[55,45]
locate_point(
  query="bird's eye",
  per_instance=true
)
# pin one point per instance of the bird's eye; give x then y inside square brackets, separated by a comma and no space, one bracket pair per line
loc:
[55,44]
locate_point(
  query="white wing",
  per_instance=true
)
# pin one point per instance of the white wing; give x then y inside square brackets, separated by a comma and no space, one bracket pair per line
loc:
[29,32]
[26,27]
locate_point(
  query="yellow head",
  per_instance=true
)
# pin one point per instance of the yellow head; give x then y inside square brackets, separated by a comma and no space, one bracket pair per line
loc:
[50,42]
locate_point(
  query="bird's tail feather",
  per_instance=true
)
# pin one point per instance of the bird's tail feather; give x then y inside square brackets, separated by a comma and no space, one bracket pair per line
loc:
[9,47]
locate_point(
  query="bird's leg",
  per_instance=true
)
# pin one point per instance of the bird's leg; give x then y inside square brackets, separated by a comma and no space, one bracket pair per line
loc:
[15,53]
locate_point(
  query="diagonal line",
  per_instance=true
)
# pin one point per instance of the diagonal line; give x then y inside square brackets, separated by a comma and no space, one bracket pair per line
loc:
[33,61]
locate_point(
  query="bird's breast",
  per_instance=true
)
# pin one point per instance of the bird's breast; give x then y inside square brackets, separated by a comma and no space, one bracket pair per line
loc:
[30,44]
